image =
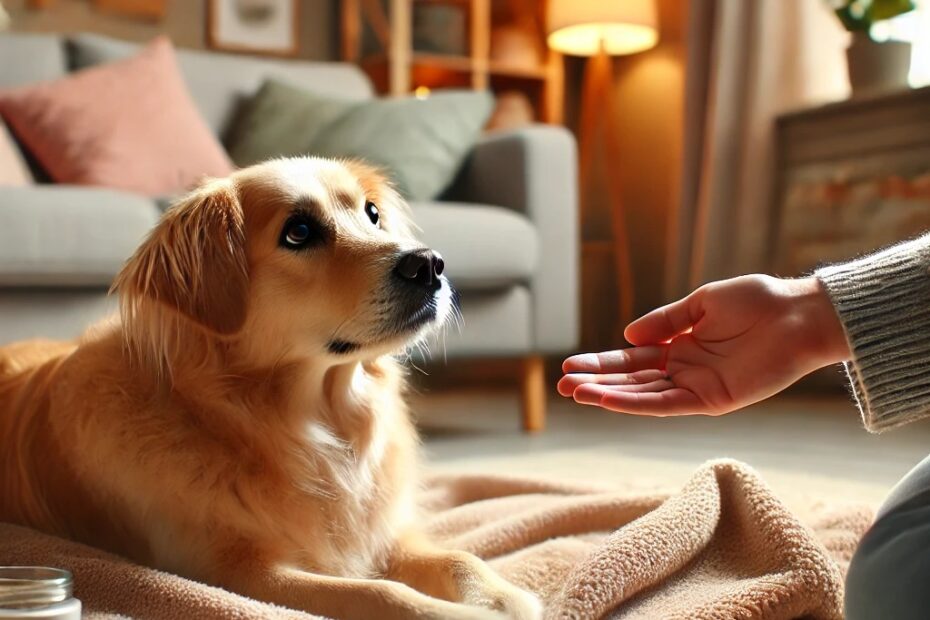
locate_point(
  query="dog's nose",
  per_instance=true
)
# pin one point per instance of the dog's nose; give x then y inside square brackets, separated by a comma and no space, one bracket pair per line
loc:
[421,266]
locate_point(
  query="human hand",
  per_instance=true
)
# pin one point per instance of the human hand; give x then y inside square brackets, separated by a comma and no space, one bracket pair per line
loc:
[725,346]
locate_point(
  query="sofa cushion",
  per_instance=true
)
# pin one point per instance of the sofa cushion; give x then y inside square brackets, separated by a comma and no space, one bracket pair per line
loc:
[219,83]
[103,126]
[28,58]
[282,120]
[484,247]
[60,235]
[51,312]
[421,143]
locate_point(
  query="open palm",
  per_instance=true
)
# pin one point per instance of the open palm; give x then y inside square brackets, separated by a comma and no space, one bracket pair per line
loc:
[727,345]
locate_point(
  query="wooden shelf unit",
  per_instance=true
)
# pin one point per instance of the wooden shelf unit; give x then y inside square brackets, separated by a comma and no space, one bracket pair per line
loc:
[400,68]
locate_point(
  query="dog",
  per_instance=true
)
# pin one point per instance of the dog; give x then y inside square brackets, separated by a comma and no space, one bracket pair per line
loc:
[242,422]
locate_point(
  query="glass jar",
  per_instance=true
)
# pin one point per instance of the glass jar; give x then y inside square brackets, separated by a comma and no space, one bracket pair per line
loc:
[30,592]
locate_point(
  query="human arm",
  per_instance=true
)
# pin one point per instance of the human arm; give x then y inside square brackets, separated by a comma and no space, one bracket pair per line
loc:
[883,302]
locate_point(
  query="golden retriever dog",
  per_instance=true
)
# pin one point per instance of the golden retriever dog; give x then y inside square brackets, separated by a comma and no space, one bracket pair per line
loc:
[242,423]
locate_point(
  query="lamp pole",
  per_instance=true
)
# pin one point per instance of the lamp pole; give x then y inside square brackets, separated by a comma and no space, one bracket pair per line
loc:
[600,29]
[597,109]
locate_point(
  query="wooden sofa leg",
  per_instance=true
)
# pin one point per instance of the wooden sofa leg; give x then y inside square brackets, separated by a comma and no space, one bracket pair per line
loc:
[533,384]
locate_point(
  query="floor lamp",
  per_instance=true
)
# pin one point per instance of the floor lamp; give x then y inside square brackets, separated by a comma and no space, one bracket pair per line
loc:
[599,29]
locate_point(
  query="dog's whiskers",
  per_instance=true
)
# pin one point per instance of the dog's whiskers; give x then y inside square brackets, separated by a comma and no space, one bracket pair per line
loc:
[335,335]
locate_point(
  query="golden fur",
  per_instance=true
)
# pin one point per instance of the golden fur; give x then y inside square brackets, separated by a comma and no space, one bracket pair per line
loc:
[211,432]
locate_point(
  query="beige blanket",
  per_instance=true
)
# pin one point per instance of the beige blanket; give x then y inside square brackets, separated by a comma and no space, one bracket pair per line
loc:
[722,547]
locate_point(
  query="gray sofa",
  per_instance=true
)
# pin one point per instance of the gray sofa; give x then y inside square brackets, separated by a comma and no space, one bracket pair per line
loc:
[507,227]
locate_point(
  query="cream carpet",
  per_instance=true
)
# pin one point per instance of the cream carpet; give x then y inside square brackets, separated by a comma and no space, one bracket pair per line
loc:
[809,450]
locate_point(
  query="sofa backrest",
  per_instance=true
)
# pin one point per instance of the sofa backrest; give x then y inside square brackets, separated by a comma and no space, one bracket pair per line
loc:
[218,83]
[27,58]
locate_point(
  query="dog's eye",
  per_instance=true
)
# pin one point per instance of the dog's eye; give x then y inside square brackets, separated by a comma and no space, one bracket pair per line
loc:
[371,210]
[298,233]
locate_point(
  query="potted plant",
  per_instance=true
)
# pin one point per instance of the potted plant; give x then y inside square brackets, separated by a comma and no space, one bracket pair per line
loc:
[874,66]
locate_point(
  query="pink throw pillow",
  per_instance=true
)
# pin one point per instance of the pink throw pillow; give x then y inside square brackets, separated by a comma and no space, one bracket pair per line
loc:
[13,169]
[128,125]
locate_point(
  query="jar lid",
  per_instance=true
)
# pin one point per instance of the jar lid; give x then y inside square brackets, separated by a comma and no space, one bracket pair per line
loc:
[33,586]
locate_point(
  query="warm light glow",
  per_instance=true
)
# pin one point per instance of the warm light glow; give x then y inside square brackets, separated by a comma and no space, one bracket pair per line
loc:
[421,92]
[584,27]
[617,39]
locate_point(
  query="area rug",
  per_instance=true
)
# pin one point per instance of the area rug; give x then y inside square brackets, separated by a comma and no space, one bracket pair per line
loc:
[723,546]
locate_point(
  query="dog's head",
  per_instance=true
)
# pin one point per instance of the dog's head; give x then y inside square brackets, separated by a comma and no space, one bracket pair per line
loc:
[304,257]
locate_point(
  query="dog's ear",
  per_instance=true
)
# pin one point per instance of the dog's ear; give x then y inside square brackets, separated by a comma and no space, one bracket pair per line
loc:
[194,262]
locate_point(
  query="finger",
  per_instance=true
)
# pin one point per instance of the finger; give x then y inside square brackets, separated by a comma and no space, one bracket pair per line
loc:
[568,383]
[663,324]
[664,402]
[599,389]
[620,361]
[659,385]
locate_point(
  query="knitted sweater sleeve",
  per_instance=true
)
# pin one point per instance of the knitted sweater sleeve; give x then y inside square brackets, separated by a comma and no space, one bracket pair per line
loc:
[883,302]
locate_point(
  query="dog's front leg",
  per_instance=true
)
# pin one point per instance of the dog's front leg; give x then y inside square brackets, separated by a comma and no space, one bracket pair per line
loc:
[347,599]
[460,577]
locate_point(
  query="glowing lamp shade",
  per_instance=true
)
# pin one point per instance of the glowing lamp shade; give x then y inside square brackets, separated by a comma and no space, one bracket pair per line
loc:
[581,27]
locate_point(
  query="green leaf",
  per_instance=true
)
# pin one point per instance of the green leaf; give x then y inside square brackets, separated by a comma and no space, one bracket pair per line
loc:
[886,9]
[851,20]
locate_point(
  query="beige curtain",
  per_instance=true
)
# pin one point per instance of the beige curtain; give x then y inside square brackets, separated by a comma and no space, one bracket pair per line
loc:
[747,62]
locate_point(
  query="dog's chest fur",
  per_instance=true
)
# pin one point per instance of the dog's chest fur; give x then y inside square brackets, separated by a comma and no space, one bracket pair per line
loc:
[350,465]
[327,489]
[335,491]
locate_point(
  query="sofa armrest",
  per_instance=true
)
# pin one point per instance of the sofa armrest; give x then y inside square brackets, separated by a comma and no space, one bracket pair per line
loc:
[534,170]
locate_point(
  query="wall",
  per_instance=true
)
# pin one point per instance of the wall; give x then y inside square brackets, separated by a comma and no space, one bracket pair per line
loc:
[184,22]
[649,89]
[648,93]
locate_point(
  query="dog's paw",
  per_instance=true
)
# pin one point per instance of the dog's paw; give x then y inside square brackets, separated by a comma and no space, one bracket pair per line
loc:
[508,600]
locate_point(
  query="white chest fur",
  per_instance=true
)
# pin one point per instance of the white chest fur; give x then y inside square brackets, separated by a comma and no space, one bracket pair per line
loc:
[348,471]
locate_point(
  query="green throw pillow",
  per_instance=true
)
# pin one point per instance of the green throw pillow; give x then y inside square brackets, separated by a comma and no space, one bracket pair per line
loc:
[420,142]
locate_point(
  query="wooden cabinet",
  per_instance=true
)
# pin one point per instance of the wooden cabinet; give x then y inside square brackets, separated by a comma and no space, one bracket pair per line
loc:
[851,177]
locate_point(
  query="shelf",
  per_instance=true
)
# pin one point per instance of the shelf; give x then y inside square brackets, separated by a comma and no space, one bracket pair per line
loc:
[444,61]
[466,64]
[540,72]
[399,67]
[447,2]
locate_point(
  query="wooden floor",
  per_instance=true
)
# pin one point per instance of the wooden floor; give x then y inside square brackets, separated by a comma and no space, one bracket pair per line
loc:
[808,448]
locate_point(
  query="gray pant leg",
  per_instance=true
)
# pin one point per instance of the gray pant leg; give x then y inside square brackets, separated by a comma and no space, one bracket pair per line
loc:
[889,576]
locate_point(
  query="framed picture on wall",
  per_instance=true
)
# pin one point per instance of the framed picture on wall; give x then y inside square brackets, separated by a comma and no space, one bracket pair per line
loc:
[268,27]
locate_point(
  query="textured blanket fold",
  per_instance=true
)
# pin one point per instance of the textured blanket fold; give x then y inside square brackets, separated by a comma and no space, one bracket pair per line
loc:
[722,547]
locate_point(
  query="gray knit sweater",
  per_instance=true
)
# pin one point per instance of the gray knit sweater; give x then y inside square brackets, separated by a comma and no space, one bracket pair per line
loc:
[883,302]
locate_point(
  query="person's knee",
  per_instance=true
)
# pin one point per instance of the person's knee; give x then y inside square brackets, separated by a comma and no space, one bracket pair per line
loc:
[890,570]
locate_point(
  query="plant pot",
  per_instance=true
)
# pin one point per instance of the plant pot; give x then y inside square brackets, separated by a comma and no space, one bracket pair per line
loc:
[877,67]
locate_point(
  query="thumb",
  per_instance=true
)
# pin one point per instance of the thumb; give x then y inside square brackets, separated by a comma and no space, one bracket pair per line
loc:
[663,324]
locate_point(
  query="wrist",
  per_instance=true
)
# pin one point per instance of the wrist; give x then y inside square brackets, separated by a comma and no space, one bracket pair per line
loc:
[821,324]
